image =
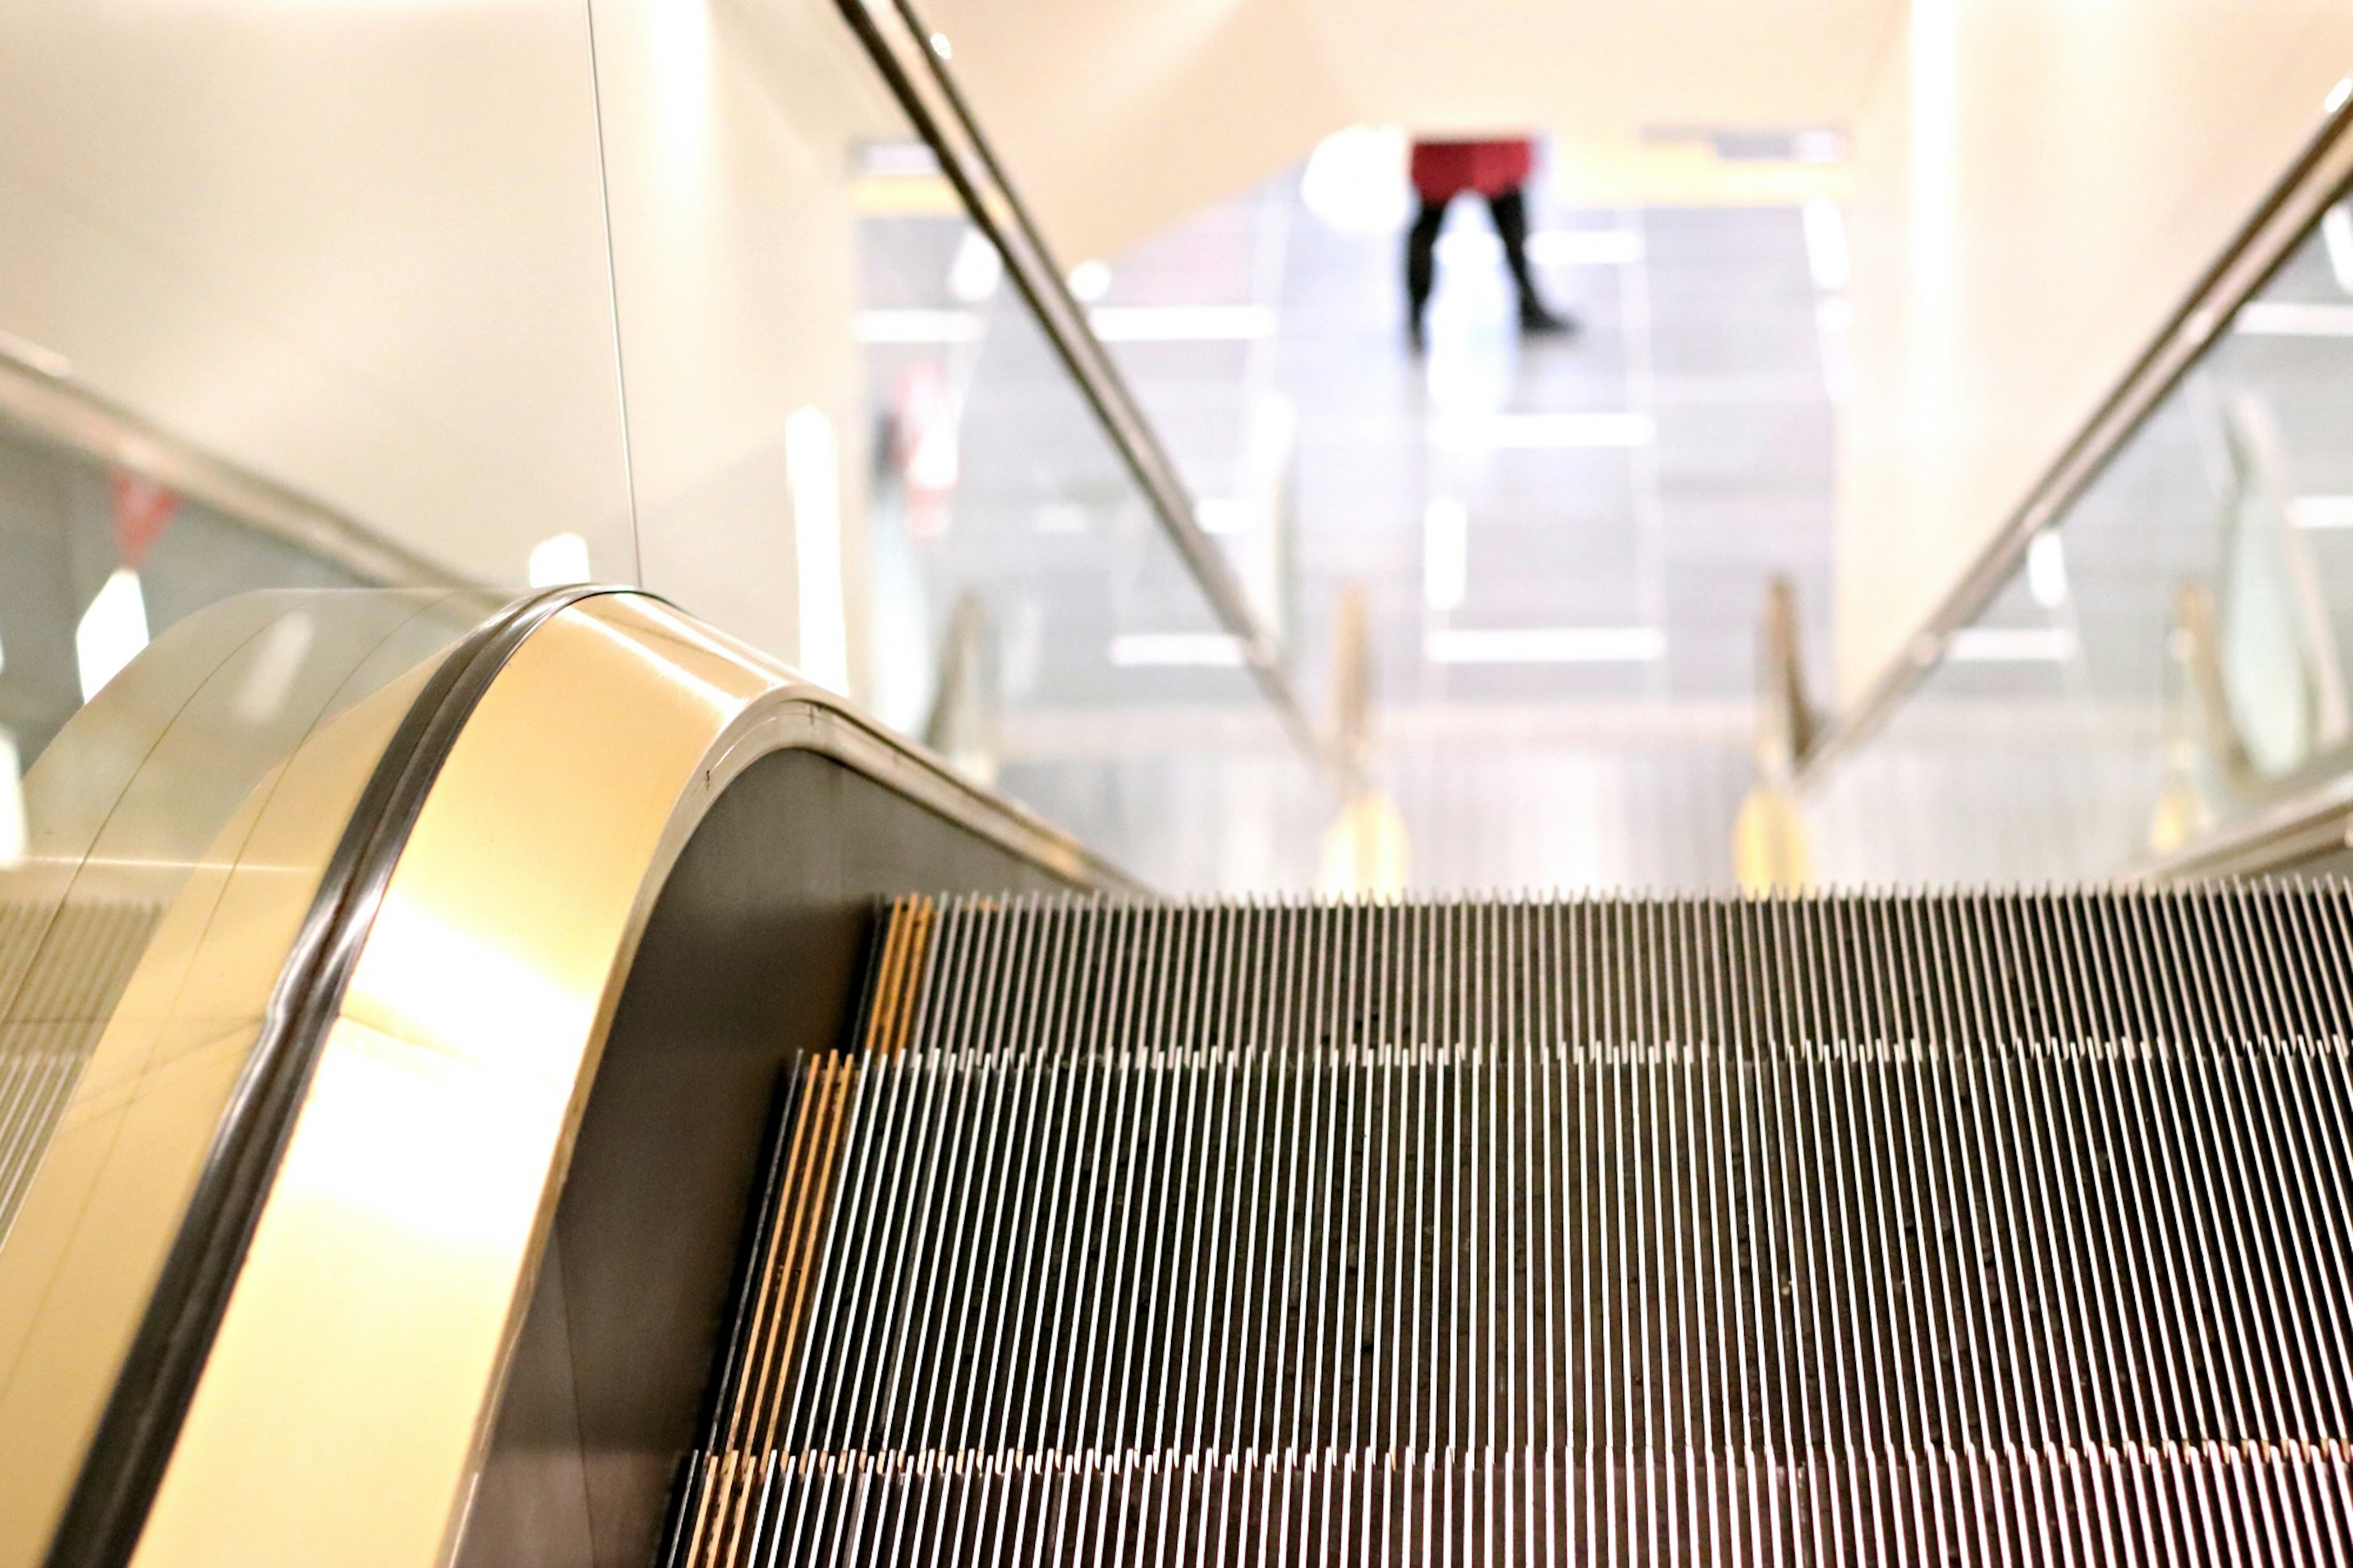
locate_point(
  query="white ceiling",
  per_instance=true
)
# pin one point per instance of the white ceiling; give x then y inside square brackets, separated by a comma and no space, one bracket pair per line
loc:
[1123,116]
[361,248]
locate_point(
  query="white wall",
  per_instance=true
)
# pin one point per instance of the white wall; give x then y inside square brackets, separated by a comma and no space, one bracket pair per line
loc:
[358,249]
[2038,184]
[1122,117]
[730,131]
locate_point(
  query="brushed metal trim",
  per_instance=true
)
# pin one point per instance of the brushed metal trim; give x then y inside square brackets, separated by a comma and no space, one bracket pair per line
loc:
[2277,839]
[145,1441]
[144,1415]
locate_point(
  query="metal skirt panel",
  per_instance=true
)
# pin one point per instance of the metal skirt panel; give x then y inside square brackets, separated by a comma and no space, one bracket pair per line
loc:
[1989,1228]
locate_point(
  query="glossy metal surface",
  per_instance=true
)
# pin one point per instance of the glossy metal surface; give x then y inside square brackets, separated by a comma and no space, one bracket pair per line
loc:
[2281,221]
[201,792]
[347,1399]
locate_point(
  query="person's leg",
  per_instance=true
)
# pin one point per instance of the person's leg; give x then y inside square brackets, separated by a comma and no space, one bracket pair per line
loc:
[1421,263]
[1510,211]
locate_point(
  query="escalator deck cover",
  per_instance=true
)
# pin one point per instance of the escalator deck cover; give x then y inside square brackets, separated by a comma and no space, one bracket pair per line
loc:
[1984,1228]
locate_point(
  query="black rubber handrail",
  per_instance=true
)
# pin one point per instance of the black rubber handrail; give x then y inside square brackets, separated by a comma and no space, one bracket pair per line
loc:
[133,1443]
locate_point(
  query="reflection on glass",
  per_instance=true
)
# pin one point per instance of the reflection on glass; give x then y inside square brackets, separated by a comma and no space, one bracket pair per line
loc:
[1029,616]
[130,798]
[2171,662]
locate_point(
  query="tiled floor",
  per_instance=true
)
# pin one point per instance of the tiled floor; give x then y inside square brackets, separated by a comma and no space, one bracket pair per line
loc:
[1638,482]
[1563,543]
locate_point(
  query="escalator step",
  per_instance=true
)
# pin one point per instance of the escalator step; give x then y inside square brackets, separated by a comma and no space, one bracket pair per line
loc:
[1984,1228]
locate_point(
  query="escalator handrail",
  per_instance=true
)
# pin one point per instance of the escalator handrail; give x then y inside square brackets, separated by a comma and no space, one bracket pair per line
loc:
[2256,251]
[912,61]
[132,1445]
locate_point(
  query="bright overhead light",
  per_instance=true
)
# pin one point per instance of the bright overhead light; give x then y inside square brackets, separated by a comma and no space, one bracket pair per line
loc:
[2337,238]
[1826,251]
[1585,248]
[112,632]
[2324,513]
[14,833]
[1089,280]
[920,326]
[813,473]
[2046,570]
[1212,650]
[1553,248]
[976,271]
[1445,553]
[559,559]
[1545,645]
[939,42]
[2011,645]
[1226,516]
[1181,323]
[1355,182]
[2339,94]
[2294,319]
[1542,432]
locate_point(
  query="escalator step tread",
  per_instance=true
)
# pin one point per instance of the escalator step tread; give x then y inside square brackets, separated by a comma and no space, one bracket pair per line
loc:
[1971,1228]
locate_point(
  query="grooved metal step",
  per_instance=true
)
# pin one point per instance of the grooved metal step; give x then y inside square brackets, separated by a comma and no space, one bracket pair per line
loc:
[1983,1228]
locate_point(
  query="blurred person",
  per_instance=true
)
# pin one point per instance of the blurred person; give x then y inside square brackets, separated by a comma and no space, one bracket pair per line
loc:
[1499,172]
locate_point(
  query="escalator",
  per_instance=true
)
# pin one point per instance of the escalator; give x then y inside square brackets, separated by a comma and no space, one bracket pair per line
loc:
[1896,1229]
[593,1099]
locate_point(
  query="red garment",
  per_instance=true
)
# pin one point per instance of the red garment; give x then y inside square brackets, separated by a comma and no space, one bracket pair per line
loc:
[1444,170]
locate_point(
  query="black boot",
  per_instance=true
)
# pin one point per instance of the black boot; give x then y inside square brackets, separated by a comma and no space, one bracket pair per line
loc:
[1421,270]
[1537,321]
[1510,210]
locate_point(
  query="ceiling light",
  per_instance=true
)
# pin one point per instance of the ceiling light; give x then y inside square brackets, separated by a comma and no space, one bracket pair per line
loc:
[1546,645]
[978,269]
[2294,319]
[1089,280]
[112,632]
[2337,238]
[13,834]
[1445,553]
[2326,513]
[2046,570]
[1543,432]
[1826,252]
[25,351]
[1182,323]
[1355,182]
[2011,645]
[920,326]
[813,474]
[557,560]
[1209,650]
